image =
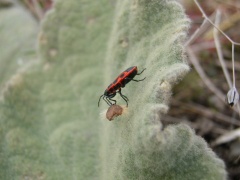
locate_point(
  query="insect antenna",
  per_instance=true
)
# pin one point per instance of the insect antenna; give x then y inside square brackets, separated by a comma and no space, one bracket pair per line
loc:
[142,71]
[100,99]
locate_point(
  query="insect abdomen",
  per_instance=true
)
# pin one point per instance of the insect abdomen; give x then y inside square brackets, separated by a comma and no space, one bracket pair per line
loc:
[125,77]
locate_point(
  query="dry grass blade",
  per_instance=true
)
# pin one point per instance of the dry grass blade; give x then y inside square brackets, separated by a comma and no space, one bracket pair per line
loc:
[219,49]
[209,114]
[226,24]
[230,136]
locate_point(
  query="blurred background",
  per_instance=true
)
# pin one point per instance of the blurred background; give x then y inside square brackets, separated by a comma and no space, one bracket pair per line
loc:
[199,99]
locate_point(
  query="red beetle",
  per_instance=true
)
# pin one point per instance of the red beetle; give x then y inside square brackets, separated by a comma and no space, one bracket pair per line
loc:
[120,82]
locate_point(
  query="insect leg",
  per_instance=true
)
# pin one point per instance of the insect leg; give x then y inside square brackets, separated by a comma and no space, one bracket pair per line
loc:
[141,71]
[136,79]
[100,99]
[107,100]
[113,100]
[124,97]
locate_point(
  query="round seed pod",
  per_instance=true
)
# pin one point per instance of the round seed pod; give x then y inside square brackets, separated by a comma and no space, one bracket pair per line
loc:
[232,97]
[114,111]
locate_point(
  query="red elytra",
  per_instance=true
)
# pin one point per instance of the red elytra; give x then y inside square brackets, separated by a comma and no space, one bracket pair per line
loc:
[120,82]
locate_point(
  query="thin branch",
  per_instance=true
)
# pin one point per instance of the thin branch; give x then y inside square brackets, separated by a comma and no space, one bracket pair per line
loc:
[202,46]
[229,65]
[208,113]
[231,4]
[219,50]
[204,77]
[206,17]
[226,24]
[205,25]
[38,9]
[233,70]
[35,8]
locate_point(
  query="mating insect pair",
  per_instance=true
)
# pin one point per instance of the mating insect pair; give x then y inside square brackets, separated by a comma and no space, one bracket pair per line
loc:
[120,82]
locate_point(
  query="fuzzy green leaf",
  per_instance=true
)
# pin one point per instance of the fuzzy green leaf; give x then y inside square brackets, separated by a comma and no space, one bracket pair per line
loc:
[48,116]
[18,31]
[150,34]
[50,127]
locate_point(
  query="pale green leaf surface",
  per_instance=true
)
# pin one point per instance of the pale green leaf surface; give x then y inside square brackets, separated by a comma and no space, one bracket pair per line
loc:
[18,31]
[50,127]
[150,34]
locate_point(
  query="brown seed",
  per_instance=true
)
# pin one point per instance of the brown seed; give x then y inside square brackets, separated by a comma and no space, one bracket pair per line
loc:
[113,111]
